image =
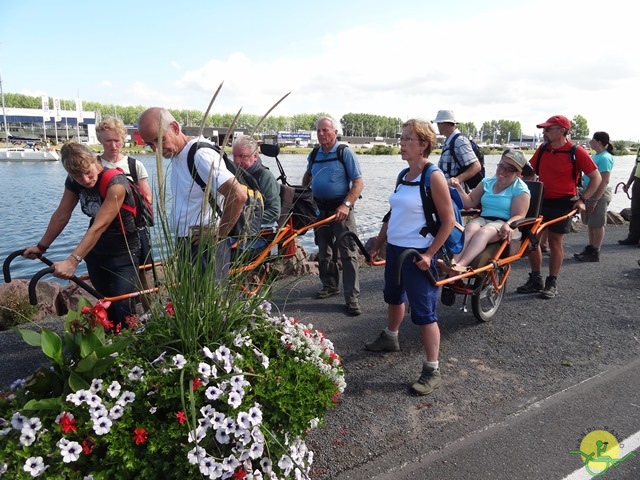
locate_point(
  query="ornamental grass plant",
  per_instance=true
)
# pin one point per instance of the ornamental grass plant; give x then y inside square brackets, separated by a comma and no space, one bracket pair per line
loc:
[211,384]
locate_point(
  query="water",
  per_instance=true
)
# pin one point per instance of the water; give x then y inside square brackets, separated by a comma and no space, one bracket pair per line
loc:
[30,193]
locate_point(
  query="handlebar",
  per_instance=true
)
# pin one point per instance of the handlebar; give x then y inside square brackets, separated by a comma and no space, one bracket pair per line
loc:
[33,296]
[623,185]
[397,270]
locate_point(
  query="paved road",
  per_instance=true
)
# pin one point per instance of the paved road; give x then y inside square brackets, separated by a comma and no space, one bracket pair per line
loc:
[518,392]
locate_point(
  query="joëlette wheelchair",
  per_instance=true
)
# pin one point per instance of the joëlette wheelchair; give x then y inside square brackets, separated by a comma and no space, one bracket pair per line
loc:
[253,258]
[486,281]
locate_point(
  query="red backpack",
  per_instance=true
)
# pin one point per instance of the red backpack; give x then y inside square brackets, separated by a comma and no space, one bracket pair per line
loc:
[142,211]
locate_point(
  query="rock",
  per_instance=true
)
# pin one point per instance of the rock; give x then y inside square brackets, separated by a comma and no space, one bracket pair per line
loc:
[72,293]
[614,218]
[15,296]
[626,214]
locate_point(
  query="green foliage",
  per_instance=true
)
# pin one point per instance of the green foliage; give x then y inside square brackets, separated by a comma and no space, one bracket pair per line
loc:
[366,125]
[579,127]
[15,308]
[380,150]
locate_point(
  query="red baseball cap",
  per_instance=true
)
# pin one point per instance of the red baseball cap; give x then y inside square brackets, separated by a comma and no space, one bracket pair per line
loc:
[558,120]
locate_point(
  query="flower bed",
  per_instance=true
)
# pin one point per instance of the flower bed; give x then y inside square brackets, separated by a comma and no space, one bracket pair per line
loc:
[125,406]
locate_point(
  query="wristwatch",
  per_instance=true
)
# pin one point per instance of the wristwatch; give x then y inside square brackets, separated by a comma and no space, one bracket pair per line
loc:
[348,204]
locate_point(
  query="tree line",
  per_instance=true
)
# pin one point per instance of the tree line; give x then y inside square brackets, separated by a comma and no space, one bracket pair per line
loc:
[353,124]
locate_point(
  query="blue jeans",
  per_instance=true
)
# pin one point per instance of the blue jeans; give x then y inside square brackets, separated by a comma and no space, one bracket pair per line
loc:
[114,275]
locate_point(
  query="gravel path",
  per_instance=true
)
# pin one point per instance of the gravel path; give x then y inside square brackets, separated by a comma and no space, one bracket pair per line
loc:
[529,351]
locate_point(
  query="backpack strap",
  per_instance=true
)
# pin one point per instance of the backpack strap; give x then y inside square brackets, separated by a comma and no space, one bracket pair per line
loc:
[133,170]
[107,175]
[572,157]
[452,149]
[340,155]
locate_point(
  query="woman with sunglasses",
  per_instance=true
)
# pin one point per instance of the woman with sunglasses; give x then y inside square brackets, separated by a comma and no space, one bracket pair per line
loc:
[502,199]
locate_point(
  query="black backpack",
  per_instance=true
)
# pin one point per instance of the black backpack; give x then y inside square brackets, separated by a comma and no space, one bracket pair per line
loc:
[477,178]
[572,157]
[314,153]
[251,218]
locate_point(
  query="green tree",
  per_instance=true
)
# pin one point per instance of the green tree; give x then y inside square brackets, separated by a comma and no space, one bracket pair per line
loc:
[579,127]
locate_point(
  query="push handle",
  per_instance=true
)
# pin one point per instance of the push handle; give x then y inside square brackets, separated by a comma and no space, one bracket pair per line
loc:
[397,270]
[33,283]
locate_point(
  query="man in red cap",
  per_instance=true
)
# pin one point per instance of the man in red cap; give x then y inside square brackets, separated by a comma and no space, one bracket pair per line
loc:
[558,167]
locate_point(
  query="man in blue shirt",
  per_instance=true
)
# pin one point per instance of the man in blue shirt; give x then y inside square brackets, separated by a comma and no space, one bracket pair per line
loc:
[336,185]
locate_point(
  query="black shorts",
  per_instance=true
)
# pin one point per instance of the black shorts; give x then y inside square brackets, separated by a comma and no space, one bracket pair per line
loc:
[558,207]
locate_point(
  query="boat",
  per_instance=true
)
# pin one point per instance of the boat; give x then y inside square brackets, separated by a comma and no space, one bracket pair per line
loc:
[20,154]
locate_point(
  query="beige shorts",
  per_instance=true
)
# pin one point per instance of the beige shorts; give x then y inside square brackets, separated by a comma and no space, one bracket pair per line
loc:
[598,218]
[497,224]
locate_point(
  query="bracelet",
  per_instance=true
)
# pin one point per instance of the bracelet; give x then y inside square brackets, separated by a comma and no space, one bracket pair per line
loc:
[41,247]
[77,257]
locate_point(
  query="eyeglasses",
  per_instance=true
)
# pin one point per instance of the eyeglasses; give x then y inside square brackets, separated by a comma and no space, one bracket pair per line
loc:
[506,167]
[548,129]
[245,156]
[409,139]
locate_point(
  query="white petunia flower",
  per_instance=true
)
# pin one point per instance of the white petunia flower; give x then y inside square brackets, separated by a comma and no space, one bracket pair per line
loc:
[17,421]
[102,425]
[71,452]
[198,435]
[27,437]
[195,455]
[213,393]
[96,385]
[286,464]
[179,361]
[204,369]
[235,399]
[116,412]
[244,420]
[126,397]
[222,436]
[35,466]
[255,413]
[207,353]
[114,389]
[160,358]
[135,374]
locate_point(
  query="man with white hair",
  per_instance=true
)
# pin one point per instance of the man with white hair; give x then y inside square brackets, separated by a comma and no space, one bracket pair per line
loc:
[467,164]
[336,182]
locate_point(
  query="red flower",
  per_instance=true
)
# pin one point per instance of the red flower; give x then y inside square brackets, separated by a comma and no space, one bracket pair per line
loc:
[196,383]
[88,445]
[140,435]
[239,474]
[181,417]
[99,313]
[169,309]
[67,423]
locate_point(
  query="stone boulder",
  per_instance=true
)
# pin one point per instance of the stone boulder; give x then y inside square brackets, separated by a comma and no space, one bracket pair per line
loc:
[15,296]
[626,214]
[614,218]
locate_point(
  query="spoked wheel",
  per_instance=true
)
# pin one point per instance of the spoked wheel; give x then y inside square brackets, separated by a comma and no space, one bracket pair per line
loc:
[486,301]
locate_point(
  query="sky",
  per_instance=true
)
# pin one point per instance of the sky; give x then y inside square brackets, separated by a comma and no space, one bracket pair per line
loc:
[518,60]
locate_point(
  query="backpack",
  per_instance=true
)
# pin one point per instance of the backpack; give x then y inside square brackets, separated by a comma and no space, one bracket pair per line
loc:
[251,218]
[572,157]
[454,243]
[295,200]
[477,178]
[142,211]
[340,153]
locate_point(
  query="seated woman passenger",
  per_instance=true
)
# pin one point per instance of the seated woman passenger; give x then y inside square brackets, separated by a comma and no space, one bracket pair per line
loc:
[502,199]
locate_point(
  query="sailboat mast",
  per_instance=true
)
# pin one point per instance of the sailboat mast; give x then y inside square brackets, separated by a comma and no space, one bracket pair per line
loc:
[4,114]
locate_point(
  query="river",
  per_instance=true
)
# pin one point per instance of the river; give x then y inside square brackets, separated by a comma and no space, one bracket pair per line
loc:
[30,192]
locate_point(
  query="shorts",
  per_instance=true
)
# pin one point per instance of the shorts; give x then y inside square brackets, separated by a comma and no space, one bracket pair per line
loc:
[495,223]
[598,218]
[414,287]
[557,207]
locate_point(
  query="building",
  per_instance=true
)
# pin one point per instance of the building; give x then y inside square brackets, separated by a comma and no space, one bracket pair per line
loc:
[36,125]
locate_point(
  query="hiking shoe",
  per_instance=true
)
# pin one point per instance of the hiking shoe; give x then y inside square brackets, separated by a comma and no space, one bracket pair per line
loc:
[353,309]
[628,241]
[593,256]
[533,285]
[384,343]
[587,250]
[430,379]
[550,289]
[326,293]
